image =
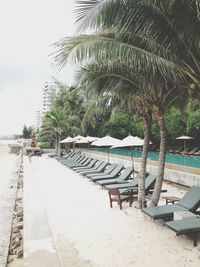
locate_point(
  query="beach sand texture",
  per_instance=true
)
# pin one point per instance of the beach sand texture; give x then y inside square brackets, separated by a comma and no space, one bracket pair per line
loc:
[7,198]
[7,163]
[85,231]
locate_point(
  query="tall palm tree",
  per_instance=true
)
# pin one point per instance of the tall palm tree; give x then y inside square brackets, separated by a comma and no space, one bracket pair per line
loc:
[54,124]
[148,35]
[71,100]
[122,90]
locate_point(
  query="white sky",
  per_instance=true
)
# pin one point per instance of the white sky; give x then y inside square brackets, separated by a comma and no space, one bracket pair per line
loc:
[28,28]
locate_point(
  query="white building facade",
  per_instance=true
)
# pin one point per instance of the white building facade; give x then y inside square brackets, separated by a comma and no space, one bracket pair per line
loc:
[49,93]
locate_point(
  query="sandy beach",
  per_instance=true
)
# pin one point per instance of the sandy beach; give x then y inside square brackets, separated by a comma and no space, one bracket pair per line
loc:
[8,188]
[7,163]
[85,231]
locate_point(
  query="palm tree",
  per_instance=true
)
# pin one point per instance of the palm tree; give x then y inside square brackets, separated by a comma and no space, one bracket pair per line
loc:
[54,124]
[148,35]
[121,91]
[71,100]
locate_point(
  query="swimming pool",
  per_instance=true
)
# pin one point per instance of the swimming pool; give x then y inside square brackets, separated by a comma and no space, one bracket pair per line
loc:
[184,160]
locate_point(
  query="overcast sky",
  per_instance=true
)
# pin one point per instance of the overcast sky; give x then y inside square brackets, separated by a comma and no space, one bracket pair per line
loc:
[28,29]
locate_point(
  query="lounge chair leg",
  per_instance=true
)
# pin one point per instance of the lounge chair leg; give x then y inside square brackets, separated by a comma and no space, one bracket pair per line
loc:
[120,204]
[195,240]
[111,204]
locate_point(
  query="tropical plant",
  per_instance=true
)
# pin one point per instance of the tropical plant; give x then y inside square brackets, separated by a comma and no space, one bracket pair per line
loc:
[54,125]
[149,37]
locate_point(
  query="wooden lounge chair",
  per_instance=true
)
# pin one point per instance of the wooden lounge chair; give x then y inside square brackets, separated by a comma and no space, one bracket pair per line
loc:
[125,175]
[107,171]
[189,227]
[112,174]
[114,195]
[190,202]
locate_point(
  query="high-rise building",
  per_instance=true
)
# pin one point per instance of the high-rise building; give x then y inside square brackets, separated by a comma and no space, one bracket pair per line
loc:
[50,90]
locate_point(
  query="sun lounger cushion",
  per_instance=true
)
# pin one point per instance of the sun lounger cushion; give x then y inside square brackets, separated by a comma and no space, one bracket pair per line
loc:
[165,211]
[190,201]
[188,225]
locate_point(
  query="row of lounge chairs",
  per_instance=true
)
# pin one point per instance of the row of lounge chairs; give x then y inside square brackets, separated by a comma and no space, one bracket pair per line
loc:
[113,176]
[189,203]
[191,152]
[122,187]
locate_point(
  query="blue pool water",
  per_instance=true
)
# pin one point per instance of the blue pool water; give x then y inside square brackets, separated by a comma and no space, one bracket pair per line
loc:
[189,161]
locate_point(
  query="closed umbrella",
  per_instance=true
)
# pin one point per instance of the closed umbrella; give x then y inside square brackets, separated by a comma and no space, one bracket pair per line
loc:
[106,141]
[184,138]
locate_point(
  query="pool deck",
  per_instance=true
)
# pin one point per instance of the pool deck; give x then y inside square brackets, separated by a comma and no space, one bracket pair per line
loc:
[179,174]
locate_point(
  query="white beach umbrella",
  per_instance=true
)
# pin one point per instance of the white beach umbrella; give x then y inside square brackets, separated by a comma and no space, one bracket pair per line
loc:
[87,139]
[106,141]
[184,138]
[92,138]
[67,140]
[82,141]
[77,138]
[130,142]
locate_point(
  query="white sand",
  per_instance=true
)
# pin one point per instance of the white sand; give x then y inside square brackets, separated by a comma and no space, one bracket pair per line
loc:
[7,163]
[87,232]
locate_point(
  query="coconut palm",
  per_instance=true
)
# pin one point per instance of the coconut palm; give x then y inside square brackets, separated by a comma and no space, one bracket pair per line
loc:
[148,35]
[54,124]
[148,98]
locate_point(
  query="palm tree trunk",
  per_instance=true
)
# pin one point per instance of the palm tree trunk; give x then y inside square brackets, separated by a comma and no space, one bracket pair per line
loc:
[59,149]
[142,175]
[161,163]
[56,144]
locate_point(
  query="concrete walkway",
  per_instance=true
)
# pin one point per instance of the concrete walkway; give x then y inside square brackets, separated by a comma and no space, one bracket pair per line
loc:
[39,247]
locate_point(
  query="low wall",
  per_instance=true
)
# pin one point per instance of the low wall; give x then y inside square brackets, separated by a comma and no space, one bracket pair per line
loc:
[175,173]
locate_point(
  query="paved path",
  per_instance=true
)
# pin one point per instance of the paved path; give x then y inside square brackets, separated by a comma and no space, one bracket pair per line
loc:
[39,247]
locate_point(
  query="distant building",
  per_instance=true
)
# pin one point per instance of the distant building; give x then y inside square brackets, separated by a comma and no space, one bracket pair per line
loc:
[50,90]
